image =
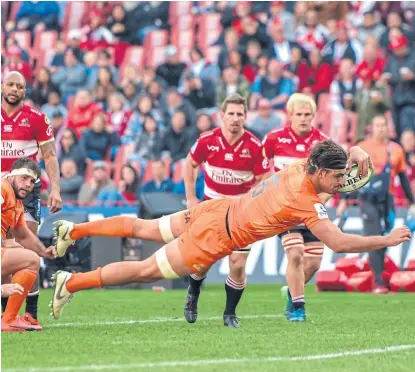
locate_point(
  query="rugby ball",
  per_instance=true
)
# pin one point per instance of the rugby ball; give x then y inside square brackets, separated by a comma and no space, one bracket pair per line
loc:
[354,182]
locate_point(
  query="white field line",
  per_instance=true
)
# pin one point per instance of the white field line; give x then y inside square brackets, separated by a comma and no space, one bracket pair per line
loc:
[203,362]
[157,320]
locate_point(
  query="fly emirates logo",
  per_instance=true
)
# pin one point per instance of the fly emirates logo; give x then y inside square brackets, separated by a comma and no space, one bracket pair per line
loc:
[18,149]
[228,176]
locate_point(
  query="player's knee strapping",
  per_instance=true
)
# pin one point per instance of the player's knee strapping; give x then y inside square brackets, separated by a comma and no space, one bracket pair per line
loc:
[293,240]
[313,249]
[165,229]
[164,264]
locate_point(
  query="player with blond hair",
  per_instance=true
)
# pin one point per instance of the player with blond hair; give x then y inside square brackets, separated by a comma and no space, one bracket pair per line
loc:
[197,238]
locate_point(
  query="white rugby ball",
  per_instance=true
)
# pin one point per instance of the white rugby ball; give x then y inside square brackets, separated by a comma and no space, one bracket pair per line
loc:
[353,182]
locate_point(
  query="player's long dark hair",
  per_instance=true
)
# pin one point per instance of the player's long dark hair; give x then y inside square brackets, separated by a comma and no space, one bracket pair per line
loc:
[327,155]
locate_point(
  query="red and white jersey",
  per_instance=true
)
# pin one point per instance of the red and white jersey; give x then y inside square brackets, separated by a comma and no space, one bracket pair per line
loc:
[21,135]
[285,147]
[229,170]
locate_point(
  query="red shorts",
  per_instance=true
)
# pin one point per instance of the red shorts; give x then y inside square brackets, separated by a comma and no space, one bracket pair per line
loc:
[206,240]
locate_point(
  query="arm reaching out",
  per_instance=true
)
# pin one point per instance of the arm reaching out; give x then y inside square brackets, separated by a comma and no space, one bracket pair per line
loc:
[327,232]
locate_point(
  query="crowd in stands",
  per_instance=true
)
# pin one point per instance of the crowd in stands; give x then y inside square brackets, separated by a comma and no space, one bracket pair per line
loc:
[129,86]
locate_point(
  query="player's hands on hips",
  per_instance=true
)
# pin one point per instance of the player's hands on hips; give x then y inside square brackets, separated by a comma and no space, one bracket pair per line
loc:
[398,236]
[192,202]
[11,289]
[54,201]
[361,158]
[50,253]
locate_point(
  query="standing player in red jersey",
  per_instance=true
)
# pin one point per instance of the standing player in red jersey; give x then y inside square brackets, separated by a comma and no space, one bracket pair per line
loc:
[24,130]
[234,161]
[304,250]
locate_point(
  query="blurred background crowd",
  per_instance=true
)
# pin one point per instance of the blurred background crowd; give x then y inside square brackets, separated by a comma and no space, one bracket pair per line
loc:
[129,86]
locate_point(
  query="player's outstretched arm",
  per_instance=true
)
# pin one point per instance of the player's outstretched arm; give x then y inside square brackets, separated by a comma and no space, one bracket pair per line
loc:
[30,241]
[336,240]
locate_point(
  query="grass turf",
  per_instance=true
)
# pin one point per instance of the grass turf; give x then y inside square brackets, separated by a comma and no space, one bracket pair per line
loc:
[336,322]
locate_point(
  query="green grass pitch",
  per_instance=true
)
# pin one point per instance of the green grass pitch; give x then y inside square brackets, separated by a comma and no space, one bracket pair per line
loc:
[125,330]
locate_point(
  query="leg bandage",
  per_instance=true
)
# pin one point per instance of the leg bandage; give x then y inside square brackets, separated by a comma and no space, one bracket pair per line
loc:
[164,264]
[165,229]
[292,240]
[313,249]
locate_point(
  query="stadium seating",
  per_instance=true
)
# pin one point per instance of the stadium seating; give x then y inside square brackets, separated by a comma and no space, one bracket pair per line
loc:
[403,281]
[331,280]
[360,282]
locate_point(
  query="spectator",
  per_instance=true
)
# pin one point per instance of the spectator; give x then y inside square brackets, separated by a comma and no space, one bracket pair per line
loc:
[148,76]
[344,87]
[176,102]
[201,68]
[99,138]
[157,95]
[250,69]
[265,121]
[118,22]
[274,87]
[235,60]
[263,62]
[279,15]
[38,15]
[73,42]
[342,47]
[372,66]
[400,75]
[70,148]
[42,87]
[199,92]
[144,107]
[179,187]
[148,16]
[382,10]
[171,70]
[119,115]
[96,35]
[98,182]
[370,26]
[58,125]
[103,61]
[11,41]
[82,112]
[312,34]
[232,82]
[204,123]
[16,63]
[132,75]
[130,93]
[279,48]
[252,31]
[358,10]
[232,17]
[369,101]
[100,97]
[105,81]
[91,65]
[394,21]
[319,78]
[148,142]
[70,78]
[127,189]
[231,44]
[178,139]
[159,182]
[58,59]
[70,181]
[297,69]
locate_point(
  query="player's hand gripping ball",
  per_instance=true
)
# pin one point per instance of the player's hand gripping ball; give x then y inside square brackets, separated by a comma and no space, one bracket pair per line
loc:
[353,182]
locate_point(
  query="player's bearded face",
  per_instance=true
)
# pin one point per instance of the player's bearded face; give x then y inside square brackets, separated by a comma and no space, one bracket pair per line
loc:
[234,118]
[13,91]
[22,186]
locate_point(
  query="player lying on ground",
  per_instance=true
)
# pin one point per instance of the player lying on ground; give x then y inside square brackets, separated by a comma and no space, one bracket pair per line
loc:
[197,238]
[21,260]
